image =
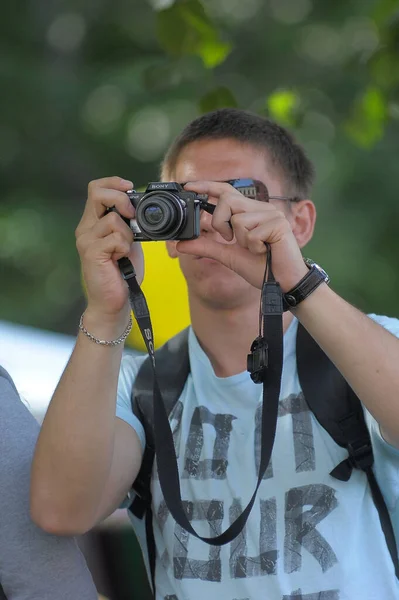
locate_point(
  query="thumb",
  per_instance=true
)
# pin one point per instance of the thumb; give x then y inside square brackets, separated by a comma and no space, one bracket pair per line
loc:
[206,248]
[249,266]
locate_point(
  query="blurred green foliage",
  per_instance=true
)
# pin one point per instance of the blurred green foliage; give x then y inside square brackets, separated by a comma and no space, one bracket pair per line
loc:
[99,88]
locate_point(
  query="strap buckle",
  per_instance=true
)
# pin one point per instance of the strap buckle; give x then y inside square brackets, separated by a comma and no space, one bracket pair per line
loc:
[126,268]
[361,454]
[258,359]
[142,498]
[141,488]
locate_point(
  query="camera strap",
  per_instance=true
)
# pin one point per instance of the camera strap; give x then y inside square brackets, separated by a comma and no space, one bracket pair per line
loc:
[265,363]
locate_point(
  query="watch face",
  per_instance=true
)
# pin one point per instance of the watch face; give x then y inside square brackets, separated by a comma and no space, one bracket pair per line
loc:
[310,263]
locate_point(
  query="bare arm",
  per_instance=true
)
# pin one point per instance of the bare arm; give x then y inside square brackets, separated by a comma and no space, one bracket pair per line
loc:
[86,459]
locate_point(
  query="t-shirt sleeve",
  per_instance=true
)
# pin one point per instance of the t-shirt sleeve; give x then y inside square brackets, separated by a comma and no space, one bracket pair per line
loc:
[391,325]
[128,371]
[386,456]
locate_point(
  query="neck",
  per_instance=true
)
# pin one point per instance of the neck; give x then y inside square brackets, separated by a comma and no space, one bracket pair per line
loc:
[226,335]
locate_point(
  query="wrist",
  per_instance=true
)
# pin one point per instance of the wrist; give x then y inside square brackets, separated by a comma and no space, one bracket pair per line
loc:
[106,326]
[292,279]
[319,297]
[314,277]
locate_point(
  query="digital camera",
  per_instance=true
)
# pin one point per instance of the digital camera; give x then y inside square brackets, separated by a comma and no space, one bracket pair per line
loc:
[165,211]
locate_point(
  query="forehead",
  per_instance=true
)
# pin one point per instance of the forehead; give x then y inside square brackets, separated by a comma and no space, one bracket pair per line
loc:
[219,160]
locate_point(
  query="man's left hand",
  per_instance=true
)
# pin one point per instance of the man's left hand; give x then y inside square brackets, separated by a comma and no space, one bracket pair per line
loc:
[242,247]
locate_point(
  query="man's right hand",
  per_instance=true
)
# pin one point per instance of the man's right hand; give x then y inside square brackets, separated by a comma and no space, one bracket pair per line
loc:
[102,239]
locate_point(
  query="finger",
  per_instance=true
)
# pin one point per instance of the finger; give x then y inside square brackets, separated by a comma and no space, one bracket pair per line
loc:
[243,223]
[113,246]
[231,256]
[271,226]
[110,223]
[229,202]
[99,200]
[115,183]
[221,218]
[206,248]
[104,228]
[212,188]
[222,190]
[102,198]
[100,188]
[227,208]
[271,232]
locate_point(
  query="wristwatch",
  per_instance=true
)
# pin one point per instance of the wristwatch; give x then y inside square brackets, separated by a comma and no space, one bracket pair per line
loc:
[306,286]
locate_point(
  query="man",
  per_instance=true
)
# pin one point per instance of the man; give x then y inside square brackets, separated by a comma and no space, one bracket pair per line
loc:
[308,534]
[33,564]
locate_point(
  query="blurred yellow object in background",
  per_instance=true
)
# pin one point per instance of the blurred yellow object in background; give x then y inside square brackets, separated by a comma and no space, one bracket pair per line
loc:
[166,292]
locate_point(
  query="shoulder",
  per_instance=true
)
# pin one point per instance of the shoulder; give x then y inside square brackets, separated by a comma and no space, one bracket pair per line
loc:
[53,566]
[5,380]
[18,427]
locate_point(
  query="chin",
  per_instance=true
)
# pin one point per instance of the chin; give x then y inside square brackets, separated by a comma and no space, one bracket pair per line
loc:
[216,286]
[223,293]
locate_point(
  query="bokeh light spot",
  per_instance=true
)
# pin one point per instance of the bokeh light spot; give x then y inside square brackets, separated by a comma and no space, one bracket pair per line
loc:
[148,134]
[290,12]
[66,32]
[104,107]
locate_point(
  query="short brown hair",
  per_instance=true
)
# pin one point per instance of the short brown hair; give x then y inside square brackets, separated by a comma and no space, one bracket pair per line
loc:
[249,128]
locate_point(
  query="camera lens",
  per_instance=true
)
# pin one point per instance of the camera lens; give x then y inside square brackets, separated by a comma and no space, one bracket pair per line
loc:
[153,214]
[160,215]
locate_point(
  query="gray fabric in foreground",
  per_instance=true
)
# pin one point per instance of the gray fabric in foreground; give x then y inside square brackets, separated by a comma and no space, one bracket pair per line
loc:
[34,565]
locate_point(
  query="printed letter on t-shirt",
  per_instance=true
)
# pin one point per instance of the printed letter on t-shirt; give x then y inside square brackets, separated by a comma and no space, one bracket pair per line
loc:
[326,595]
[300,526]
[207,468]
[241,564]
[302,431]
[209,569]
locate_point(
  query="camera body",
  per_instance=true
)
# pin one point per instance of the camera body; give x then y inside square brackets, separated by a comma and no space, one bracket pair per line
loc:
[165,211]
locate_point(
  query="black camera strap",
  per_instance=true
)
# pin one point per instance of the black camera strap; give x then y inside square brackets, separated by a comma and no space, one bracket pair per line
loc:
[265,364]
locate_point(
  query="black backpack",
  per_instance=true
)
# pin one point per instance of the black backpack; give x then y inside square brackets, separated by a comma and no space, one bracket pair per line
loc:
[328,395]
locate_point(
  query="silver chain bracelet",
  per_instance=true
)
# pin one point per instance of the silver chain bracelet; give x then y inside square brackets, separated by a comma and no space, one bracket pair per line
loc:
[119,340]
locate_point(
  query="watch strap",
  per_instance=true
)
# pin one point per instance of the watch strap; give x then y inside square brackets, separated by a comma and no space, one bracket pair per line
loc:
[308,284]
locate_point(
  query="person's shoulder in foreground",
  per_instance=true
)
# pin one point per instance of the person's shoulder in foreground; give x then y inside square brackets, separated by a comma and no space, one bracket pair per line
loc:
[34,565]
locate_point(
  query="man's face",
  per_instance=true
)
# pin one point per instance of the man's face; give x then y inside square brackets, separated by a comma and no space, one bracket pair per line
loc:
[219,160]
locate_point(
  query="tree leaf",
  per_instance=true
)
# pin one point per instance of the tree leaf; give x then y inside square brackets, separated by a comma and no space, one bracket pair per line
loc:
[282,105]
[185,28]
[220,97]
[366,127]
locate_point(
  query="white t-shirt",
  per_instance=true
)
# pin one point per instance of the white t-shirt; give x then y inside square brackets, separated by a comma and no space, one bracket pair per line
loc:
[309,536]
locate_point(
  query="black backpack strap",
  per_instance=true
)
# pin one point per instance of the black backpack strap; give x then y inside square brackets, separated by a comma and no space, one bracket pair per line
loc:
[340,412]
[173,367]
[334,404]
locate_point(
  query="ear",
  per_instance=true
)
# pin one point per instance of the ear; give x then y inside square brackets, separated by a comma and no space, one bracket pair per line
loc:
[171,248]
[303,219]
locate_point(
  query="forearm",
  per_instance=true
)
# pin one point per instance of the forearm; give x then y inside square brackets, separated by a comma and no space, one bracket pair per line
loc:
[364,352]
[75,447]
